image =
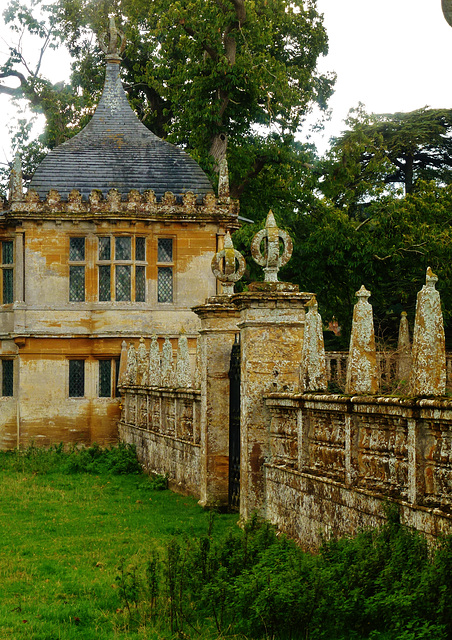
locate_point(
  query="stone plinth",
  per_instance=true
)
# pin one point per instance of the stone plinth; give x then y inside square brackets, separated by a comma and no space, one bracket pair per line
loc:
[271,334]
[217,334]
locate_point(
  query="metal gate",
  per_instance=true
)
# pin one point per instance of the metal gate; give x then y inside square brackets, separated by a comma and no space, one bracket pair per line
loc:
[234,425]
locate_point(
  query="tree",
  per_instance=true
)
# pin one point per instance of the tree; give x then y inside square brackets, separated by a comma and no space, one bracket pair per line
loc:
[212,75]
[383,151]
[389,252]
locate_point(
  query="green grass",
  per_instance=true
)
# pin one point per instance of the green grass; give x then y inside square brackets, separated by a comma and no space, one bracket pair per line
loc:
[63,537]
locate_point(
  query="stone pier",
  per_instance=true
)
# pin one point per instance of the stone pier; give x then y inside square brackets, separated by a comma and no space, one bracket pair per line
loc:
[217,334]
[271,326]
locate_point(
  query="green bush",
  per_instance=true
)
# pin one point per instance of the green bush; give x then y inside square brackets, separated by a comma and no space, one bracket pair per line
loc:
[120,459]
[382,584]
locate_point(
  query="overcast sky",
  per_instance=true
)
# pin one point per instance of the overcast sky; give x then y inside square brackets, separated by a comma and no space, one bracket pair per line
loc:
[391,55]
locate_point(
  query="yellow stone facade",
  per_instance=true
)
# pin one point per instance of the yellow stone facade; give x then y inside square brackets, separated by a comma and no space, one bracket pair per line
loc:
[42,329]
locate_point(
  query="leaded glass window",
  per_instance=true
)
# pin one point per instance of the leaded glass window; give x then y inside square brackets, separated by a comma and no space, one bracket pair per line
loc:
[7,376]
[165,284]
[76,378]
[76,283]
[140,284]
[77,249]
[104,283]
[104,378]
[8,286]
[7,271]
[7,252]
[165,250]
[120,278]
[140,249]
[104,248]
[123,284]
[123,248]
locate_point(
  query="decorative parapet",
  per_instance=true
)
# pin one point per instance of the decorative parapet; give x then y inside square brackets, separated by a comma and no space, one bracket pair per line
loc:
[183,373]
[403,349]
[167,364]
[122,375]
[271,259]
[313,375]
[362,371]
[131,373]
[170,207]
[428,372]
[155,374]
[142,364]
[229,274]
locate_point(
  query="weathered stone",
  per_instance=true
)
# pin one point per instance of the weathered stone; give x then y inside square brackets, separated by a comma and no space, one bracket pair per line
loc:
[362,371]
[271,336]
[313,375]
[230,273]
[167,364]
[271,259]
[403,350]
[15,183]
[131,375]
[223,181]
[142,363]
[428,370]
[122,375]
[154,376]
[183,373]
[216,337]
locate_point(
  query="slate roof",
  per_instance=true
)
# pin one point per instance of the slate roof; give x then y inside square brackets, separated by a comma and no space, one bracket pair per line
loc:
[115,150]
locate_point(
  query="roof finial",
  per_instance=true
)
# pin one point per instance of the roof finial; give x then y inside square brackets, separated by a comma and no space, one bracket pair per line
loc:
[116,42]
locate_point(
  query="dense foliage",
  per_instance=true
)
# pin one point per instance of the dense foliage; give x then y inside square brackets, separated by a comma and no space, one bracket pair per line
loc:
[121,459]
[383,584]
[236,76]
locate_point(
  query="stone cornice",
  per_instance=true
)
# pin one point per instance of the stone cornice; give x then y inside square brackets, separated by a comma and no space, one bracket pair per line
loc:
[187,208]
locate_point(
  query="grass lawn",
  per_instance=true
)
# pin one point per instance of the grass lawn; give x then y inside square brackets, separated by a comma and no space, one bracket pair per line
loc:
[64,537]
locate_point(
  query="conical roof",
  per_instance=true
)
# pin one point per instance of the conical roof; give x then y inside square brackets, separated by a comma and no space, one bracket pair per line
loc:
[115,150]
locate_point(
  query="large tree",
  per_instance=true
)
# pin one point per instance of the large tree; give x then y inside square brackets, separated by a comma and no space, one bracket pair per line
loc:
[212,75]
[383,152]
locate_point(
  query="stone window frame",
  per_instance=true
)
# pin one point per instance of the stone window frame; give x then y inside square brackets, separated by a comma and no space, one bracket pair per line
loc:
[9,267]
[167,265]
[112,263]
[77,265]
[114,376]
[72,382]
[6,386]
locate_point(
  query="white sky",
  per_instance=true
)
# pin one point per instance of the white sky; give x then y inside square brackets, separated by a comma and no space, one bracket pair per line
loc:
[391,55]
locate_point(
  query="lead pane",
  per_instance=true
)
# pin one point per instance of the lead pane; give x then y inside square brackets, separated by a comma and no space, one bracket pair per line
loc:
[7,253]
[104,378]
[123,282]
[76,378]
[140,284]
[123,248]
[8,286]
[104,283]
[165,250]
[165,284]
[7,378]
[140,249]
[76,284]
[104,248]
[77,249]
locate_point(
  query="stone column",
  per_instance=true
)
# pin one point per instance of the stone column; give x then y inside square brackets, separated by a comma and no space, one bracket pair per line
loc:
[217,334]
[271,326]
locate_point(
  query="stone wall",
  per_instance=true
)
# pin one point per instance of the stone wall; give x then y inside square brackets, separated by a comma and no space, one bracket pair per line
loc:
[335,460]
[163,424]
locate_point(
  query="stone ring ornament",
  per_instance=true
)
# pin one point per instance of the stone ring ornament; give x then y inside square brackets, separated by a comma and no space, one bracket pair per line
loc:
[229,275]
[271,260]
[447,10]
